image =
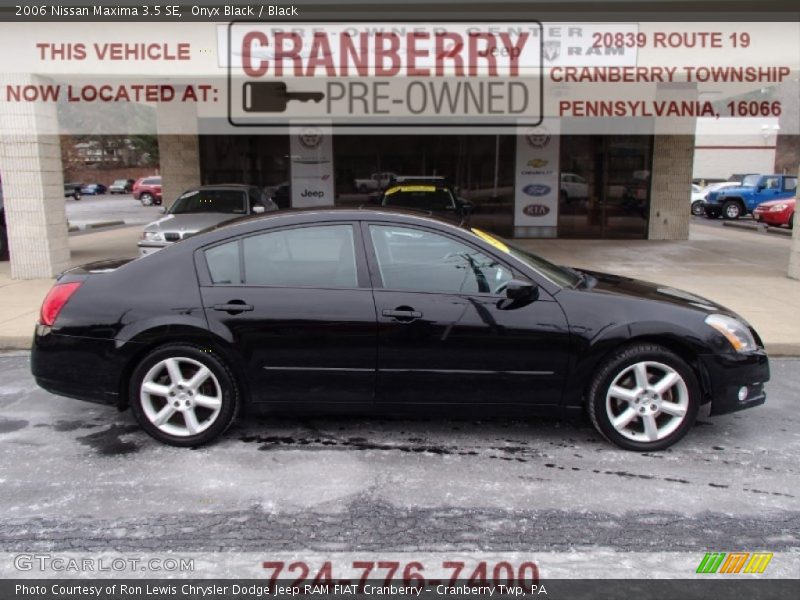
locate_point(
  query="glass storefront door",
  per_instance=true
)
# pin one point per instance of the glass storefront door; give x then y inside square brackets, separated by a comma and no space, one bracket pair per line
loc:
[605,186]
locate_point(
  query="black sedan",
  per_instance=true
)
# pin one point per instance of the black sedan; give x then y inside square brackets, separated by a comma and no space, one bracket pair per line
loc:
[332,311]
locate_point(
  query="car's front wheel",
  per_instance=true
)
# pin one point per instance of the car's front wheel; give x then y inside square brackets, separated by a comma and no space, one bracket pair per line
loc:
[732,209]
[3,243]
[644,398]
[698,210]
[146,199]
[183,395]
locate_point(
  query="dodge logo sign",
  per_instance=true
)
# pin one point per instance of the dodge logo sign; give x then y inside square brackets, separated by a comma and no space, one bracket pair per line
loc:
[536,189]
[536,210]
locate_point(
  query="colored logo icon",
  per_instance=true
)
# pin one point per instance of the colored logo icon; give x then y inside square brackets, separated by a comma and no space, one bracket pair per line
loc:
[536,189]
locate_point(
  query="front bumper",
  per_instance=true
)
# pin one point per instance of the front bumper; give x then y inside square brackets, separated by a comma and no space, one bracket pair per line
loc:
[146,248]
[725,376]
[776,219]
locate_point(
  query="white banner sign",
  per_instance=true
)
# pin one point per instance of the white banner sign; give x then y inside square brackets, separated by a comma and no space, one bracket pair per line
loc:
[537,187]
[312,168]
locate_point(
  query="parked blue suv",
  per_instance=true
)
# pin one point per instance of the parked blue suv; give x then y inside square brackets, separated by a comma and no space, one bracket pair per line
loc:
[735,202]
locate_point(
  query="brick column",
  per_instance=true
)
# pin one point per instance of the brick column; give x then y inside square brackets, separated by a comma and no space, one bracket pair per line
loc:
[33,186]
[671,186]
[178,150]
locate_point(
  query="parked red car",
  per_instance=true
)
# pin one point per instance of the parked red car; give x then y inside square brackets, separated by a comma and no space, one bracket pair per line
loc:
[776,212]
[148,190]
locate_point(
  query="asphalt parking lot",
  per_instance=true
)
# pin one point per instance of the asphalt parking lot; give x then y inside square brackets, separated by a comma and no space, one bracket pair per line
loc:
[110,207]
[76,476]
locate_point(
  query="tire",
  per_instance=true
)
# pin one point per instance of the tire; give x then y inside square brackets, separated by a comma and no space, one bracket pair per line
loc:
[146,199]
[623,370]
[3,243]
[164,411]
[731,210]
[791,221]
[698,210]
[77,196]
[564,197]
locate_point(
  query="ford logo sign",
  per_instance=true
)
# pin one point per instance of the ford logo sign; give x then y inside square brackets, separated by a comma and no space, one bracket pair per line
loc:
[536,189]
[536,210]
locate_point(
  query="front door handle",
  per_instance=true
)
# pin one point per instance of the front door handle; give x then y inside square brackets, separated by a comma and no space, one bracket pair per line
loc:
[402,313]
[233,307]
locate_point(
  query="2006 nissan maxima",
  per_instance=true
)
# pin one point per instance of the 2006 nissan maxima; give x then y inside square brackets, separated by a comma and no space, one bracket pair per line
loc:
[386,312]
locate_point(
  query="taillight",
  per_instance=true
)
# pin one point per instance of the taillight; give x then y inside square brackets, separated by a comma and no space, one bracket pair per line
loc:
[55,300]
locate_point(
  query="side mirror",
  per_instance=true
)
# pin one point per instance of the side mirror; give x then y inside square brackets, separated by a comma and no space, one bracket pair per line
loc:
[258,209]
[759,188]
[518,289]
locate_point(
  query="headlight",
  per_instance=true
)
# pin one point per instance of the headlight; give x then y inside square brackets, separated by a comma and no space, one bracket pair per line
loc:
[779,207]
[151,236]
[736,332]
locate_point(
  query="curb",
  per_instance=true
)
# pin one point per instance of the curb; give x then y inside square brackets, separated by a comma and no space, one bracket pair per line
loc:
[95,225]
[779,231]
[741,225]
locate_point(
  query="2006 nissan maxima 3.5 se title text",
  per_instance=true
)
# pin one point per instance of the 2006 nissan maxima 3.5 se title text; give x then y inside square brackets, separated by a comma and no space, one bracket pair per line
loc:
[374,311]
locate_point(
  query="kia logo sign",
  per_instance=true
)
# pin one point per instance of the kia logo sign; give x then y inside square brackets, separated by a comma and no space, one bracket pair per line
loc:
[536,189]
[536,210]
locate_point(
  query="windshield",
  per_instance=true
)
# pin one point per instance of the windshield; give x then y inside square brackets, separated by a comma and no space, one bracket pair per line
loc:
[120,182]
[211,201]
[421,197]
[558,275]
[750,180]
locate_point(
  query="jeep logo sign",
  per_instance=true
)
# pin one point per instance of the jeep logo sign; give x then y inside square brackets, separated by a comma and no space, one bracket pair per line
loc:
[536,210]
[536,189]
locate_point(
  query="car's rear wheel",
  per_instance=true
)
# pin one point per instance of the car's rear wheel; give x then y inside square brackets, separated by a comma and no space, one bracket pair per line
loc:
[791,221]
[183,395]
[732,209]
[146,199]
[698,210]
[77,195]
[644,398]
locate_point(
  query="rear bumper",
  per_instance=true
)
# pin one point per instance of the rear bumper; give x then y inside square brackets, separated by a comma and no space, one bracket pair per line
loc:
[725,376]
[82,368]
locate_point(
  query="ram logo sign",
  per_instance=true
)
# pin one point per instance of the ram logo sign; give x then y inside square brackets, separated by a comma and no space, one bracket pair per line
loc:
[734,562]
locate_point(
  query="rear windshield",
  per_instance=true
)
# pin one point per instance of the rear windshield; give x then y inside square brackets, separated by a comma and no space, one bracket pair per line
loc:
[211,201]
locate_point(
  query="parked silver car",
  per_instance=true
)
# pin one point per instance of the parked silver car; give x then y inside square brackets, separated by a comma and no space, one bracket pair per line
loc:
[202,207]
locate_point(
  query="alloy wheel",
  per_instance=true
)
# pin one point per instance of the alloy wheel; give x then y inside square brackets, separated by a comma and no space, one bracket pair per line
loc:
[647,401]
[181,396]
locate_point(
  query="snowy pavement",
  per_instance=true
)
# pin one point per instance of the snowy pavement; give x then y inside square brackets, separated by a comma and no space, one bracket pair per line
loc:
[81,477]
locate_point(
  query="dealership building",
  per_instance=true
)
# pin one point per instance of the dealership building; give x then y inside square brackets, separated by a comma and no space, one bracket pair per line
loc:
[555,181]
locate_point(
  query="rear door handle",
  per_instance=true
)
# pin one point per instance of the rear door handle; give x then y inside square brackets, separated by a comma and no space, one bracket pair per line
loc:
[233,306]
[402,314]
